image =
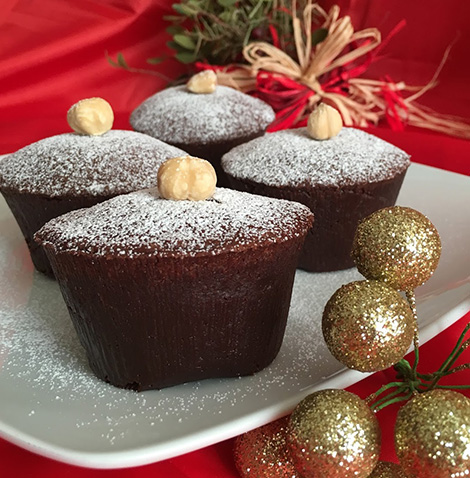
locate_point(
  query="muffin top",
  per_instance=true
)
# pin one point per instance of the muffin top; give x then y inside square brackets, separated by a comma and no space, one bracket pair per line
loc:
[179,116]
[293,158]
[116,162]
[142,223]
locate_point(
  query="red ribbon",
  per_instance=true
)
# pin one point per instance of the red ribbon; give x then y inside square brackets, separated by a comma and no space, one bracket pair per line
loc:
[287,97]
[290,99]
[394,100]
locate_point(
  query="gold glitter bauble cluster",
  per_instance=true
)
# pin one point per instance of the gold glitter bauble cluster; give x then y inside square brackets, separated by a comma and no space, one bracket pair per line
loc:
[432,435]
[397,245]
[384,469]
[262,453]
[334,434]
[368,326]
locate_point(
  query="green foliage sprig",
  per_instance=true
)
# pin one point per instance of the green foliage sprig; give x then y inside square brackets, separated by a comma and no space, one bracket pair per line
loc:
[216,31]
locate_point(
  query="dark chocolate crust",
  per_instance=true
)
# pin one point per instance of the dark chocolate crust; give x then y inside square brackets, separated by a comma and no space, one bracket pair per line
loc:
[337,211]
[213,153]
[32,211]
[150,322]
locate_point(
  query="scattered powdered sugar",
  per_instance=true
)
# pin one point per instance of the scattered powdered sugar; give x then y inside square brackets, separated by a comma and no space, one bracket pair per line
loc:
[59,401]
[178,116]
[116,162]
[293,158]
[143,223]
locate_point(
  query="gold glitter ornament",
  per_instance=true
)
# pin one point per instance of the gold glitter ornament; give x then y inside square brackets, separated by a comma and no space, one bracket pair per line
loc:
[432,435]
[368,326]
[263,452]
[334,434]
[397,245]
[385,469]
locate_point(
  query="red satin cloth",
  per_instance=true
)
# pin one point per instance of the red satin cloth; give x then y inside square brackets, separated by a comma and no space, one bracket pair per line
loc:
[52,54]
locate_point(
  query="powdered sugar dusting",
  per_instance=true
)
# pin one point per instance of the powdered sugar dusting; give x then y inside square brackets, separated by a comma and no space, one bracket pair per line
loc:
[71,164]
[143,223]
[292,158]
[178,116]
[49,398]
[60,401]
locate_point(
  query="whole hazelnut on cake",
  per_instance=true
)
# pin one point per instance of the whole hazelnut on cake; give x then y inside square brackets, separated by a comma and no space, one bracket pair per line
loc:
[186,177]
[324,122]
[203,82]
[75,170]
[92,116]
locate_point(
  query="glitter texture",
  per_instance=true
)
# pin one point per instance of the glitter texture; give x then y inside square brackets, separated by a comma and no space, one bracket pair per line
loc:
[397,245]
[385,469]
[432,435]
[334,434]
[263,452]
[368,326]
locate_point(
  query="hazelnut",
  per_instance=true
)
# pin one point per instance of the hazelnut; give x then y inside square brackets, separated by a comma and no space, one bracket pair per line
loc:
[186,177]
[324,122]
[92,116]
[203,82]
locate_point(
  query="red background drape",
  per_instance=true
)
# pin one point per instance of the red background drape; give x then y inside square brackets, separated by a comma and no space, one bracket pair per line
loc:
[53,53]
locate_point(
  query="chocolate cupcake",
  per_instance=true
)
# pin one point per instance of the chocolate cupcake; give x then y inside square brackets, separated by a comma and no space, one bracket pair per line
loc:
[163,292]
[71,171]
[203,119]
[342,180]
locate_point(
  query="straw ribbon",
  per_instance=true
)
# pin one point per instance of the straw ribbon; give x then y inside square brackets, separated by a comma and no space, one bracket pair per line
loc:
[330,71]
[316,61]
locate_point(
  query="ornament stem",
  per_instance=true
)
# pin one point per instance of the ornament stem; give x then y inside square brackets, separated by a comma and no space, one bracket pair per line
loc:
[394,400]
[453,387]
[457,354]
[426,376]
[450,360]
[460,368]
[404,369]
[445,369]
[411,297]
[383,389]
[388,397]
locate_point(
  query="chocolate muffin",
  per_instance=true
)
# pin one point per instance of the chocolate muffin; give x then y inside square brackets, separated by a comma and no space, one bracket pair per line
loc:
[72,171]
[163,292]
[206,125]
[342,180]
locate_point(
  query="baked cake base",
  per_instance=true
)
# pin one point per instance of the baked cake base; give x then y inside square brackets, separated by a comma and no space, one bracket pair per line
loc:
[337,212]
[213,153]
[32,211]
[149,323]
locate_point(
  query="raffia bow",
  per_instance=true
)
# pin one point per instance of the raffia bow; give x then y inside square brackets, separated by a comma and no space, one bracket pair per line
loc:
[315,63]
[329,71]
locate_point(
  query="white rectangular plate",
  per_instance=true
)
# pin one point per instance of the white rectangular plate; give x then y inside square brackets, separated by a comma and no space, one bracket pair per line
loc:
[52,404]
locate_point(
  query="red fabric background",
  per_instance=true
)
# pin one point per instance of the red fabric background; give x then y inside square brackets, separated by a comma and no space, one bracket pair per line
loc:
[52,53]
